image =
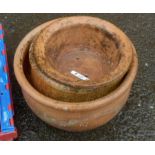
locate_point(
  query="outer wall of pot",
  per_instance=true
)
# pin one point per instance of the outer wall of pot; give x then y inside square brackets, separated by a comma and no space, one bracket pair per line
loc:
[66,115]
[77,120]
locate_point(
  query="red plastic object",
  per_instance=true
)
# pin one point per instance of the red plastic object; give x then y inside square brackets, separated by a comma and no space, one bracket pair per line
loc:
[7,128]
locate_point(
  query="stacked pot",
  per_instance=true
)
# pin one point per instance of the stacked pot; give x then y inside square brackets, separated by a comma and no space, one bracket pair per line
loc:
[76,72]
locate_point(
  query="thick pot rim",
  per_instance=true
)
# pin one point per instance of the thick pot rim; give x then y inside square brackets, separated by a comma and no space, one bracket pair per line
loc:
[61,105]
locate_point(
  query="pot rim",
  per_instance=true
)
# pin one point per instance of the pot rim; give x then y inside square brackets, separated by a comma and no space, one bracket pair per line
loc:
[61,105]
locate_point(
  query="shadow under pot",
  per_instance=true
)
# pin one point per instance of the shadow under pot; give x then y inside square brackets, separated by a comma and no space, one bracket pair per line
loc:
[77,59]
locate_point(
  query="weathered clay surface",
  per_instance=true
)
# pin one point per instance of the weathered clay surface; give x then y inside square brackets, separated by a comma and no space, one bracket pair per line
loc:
[65,115]
[91,46]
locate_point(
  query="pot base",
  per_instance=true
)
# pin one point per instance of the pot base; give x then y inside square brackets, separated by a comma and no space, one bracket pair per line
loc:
[82,60]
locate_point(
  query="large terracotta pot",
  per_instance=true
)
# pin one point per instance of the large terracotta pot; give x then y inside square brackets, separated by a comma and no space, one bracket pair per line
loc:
[79,58]
[71,116]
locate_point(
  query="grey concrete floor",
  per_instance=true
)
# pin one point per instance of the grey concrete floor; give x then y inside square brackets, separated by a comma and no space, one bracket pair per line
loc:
[136,121]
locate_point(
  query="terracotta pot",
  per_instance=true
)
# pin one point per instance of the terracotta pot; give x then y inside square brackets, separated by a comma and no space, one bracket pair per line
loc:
[71,116]
[79,58]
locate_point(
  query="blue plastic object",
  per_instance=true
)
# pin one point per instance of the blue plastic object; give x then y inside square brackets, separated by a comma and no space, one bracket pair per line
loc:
[6,110]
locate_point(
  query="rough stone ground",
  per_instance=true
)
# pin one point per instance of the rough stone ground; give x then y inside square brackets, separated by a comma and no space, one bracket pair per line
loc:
[136,121]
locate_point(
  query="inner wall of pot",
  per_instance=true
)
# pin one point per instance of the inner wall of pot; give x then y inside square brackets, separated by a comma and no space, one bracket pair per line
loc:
[82,52]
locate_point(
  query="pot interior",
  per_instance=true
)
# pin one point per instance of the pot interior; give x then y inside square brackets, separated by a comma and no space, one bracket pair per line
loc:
[82,52]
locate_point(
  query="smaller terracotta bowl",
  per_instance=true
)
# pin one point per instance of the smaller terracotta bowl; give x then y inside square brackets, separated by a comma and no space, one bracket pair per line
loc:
[79,58]
[70,116]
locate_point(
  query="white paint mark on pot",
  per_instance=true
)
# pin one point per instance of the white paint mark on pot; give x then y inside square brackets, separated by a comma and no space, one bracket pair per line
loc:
[78,75]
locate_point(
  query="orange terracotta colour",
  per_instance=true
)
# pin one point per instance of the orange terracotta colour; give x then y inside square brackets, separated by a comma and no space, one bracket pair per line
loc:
[91,46]
[70,116]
